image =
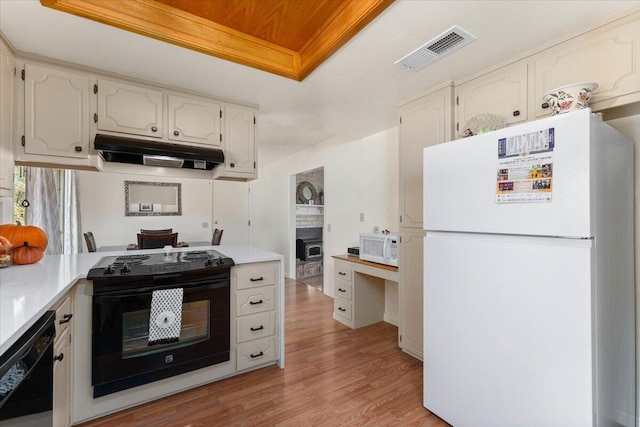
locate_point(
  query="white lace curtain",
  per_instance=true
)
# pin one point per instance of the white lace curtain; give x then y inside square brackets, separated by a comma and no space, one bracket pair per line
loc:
[54,207]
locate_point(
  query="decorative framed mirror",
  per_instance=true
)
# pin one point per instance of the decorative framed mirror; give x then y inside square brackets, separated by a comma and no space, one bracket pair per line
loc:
[305,191]
[152,198]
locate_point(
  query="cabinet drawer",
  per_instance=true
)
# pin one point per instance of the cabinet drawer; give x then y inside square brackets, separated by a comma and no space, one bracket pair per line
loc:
[343,271]
[344,289]
[256,353]
[255,275]
[342,308]
[63,316]
[255,326]
[250,301]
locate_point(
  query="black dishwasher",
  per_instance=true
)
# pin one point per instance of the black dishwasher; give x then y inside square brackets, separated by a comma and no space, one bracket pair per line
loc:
[26,377]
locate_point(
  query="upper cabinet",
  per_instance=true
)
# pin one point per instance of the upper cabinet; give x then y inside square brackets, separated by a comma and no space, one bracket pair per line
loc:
[610,56]
[502,92]
[194,120]
[7,109]
[423,122]
[239,144]
[128,108]
[56,113]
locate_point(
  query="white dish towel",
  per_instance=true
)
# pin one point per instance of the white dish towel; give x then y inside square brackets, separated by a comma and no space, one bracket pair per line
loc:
[165,316]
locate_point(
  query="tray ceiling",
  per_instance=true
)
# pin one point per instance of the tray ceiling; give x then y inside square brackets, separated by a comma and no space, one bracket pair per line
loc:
[290,38]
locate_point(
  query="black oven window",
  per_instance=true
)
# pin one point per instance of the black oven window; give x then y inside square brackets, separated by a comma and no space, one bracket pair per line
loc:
[135,330]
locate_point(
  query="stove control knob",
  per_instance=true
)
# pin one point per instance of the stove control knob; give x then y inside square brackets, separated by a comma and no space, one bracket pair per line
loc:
[109,270]
[208,263]
[219,261]
[125,268]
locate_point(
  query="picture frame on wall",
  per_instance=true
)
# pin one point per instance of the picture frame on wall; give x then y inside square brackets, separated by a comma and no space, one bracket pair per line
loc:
[146,207]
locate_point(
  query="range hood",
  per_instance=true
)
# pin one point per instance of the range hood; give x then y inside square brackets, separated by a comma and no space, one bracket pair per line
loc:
[142,152]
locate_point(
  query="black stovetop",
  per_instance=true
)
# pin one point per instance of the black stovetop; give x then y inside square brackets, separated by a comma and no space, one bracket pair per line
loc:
[137,265]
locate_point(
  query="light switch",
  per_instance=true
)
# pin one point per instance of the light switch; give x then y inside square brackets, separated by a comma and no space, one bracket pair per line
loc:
[205,225]
[362,217]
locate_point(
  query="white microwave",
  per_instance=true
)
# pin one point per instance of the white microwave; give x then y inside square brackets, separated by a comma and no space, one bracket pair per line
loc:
[380,248]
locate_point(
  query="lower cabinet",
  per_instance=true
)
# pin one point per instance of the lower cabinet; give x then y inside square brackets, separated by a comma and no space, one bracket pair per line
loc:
[359,298]
[411,270]
[62,362]
[255,304]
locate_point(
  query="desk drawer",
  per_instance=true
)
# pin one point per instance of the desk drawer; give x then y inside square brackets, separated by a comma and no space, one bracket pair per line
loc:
[257,300]
[343,271]
[255,326]
[342,308]
[256,353]
[344,289]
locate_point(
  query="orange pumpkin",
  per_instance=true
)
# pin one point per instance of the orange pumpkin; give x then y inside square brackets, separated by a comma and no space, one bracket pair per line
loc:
[26,254]
[19,234]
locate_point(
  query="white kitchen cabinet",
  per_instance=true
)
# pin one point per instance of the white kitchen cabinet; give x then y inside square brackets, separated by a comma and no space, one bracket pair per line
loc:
[359,297]
[7,109]
[502,92]
[410,334]
[609,56]
[254,293]
[62,363]
[195,120]
[423,122]
[128,108]
[239,138]
[56,113]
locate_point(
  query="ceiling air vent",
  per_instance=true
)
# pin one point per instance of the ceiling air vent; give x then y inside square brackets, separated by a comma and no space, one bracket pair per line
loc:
[452,39]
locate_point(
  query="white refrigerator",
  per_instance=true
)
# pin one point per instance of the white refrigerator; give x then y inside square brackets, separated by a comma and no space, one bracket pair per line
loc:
[528,276]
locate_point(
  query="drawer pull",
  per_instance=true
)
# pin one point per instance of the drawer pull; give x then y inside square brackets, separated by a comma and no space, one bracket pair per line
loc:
[341,309]
[342,273]
[342,290]
[255,303]
[66,318]
[58,357]
[259,328]
[256,280]
[253,356]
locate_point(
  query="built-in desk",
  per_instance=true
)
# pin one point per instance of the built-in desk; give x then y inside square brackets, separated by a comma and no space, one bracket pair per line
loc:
[359,298]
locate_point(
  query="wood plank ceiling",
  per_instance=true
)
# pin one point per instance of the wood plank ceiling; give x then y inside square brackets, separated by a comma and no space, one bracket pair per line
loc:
[290,38]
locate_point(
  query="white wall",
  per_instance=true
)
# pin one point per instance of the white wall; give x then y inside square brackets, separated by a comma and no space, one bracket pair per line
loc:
[102,209]
[360,176]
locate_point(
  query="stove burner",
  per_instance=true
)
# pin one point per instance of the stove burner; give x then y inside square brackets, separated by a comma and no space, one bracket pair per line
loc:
[130,259]
[193,255]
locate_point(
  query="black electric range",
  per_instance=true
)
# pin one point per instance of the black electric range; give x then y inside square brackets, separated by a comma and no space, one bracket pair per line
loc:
[159,269]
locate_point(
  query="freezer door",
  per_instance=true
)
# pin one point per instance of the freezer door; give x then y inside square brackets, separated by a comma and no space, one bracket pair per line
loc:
[508,330]
[542,193]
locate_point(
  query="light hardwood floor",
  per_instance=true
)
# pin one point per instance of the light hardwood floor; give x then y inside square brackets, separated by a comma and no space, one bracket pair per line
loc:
[333,376]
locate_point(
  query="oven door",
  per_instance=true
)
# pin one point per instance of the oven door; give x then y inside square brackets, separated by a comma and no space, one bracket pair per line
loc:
[121,356]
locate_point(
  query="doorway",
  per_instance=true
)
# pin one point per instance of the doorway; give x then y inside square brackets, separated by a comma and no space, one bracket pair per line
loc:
[309,216]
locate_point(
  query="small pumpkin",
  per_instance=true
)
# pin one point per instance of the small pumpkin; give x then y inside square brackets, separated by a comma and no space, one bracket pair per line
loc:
[18,234]
[5,246]
[26,254]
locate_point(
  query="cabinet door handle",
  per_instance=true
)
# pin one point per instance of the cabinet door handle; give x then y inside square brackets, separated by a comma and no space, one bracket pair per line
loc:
[253,356]
[58,357]
[255,303]
[516,113]
[341,309]
[259,328]
[341,273]
[176,133]
[341,290]
[66,319]
[256,280]
[233,165]
[154,129]
[545,105]
[78,149]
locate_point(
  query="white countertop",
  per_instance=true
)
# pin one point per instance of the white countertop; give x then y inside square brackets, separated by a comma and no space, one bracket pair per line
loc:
[28,291]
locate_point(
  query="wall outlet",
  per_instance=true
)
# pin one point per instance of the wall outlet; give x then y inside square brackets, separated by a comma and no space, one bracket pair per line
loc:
[362,217]
[205,225]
